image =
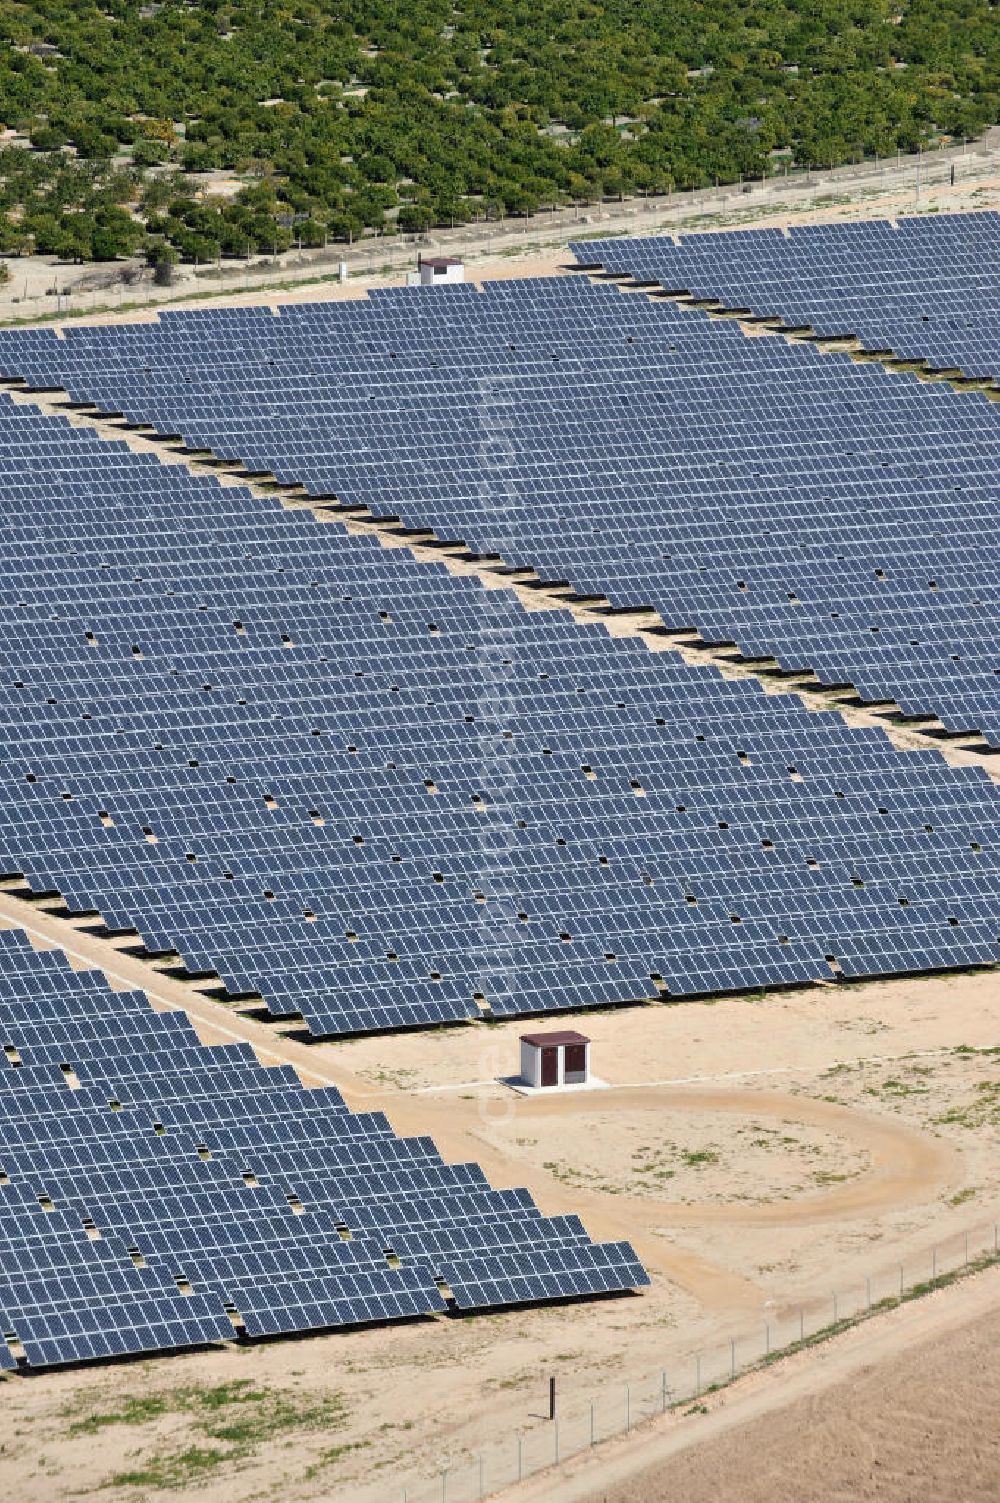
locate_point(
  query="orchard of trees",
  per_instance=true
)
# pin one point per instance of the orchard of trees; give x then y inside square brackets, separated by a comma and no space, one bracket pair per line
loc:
[343,117]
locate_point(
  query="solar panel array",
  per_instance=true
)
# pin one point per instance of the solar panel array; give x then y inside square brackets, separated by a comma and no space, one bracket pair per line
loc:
[156,1193]
[796,503]
[378,797]
[924,288]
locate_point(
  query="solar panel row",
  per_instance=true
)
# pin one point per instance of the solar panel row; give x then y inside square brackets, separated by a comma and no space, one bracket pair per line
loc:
[156,1193]
[798,504]
[381,796]
[924,288]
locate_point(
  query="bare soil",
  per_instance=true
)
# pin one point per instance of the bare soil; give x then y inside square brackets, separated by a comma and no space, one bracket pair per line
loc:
[902,1410]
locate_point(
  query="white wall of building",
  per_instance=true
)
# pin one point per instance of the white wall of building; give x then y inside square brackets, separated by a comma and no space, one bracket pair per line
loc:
[531,1064]
[438,276]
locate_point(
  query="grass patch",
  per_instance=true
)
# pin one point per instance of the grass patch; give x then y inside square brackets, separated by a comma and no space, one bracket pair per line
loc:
[896,1088]
[221,1395]
[330,1456]
[179,1470]
[141,1411]
[982,1111]
[132,1412]
[231,1421]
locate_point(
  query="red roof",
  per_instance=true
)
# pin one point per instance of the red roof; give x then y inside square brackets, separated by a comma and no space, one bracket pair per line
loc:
[437,261]
[553,1040]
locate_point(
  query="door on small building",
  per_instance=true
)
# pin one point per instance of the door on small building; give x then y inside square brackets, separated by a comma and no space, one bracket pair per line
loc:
[576,1059]
[550,1067]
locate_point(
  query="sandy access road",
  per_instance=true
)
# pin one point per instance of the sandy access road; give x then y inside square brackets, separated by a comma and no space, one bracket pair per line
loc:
[901,1409]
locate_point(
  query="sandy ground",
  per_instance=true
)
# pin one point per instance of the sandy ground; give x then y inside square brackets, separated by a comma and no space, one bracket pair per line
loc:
[902,1409]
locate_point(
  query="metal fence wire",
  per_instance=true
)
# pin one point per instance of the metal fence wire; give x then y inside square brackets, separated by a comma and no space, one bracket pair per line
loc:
[372,255]
[684,1383]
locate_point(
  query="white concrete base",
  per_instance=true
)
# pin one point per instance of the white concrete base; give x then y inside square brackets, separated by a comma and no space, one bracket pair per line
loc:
[524,1088]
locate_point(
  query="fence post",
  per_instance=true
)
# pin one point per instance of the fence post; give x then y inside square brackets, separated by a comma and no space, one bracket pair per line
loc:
[901,1281]
[591,1423]
[520,1469]
[663,1390]
[628,1409]
[767,1339]
[802,1324]
[482,1477]
[697,1375]
[444,1486]
[732,1356]
[966,1249]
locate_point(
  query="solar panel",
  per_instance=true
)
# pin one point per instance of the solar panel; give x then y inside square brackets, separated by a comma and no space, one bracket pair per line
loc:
[375,795]
[923,288]
[797,504]
[173,1195]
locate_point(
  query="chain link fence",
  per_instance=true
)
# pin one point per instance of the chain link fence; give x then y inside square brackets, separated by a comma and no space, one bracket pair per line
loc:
[683,1383]
[785,188]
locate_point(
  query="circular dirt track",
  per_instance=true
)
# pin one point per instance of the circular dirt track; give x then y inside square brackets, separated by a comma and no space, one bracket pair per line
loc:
[906,1167]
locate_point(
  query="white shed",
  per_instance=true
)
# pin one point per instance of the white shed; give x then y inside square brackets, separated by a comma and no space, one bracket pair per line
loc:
[560,1058]
[438,270]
